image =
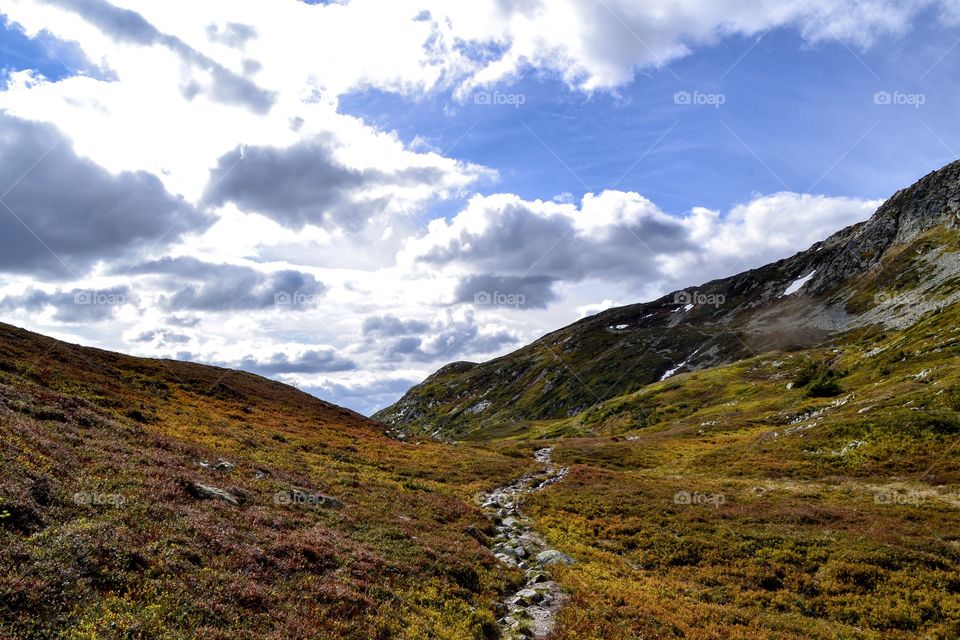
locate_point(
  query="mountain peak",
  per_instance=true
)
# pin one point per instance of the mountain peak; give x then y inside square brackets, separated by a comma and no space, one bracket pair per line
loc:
[889,270]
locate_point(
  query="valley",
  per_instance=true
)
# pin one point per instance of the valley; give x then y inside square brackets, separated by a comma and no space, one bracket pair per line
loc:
[781,461]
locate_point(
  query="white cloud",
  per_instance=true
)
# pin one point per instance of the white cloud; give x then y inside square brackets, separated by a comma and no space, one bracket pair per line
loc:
[624,238]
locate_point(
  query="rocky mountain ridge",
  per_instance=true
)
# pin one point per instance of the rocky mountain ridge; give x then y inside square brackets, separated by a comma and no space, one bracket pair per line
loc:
[890,270]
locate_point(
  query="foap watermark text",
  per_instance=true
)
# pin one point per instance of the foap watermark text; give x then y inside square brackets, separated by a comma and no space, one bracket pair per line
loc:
[499,299]
[698,298]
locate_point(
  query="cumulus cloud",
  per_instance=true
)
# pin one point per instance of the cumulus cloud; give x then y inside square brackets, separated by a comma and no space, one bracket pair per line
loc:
[323,360]
[61,213]
[527,292]
[225,287]
[601,45]
[77,306]
[392,326]
[620,236]
[455,334]
[126,26]
[771,227]
[614,233]
[305,184]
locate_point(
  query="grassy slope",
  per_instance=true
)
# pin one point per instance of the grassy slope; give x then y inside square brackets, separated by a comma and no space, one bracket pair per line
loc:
[401,560]
[810,541]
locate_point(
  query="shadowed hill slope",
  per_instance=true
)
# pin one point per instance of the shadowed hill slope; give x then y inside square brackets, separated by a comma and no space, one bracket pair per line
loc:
[157,499]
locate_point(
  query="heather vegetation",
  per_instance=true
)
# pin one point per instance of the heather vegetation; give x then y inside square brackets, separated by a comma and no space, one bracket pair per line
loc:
[104,534]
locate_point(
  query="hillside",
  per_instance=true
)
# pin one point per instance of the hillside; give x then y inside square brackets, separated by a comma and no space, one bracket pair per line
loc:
[160,499]
[889,271]
[805,494]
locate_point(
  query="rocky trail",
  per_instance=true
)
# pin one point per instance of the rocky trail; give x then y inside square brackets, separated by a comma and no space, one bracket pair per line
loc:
[530,612]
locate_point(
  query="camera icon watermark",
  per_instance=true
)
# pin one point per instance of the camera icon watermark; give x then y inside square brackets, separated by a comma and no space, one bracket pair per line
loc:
[898,99]
[697,298]
[99,298]
[696,498]
[294,299]
[498,299]
[699,99]
[498,99]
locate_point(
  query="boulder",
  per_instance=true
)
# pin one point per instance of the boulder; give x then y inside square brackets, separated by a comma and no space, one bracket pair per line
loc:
[553,557]
[205,492]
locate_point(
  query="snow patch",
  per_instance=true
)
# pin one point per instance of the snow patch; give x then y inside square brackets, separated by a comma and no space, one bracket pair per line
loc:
[798,284]
[670,372]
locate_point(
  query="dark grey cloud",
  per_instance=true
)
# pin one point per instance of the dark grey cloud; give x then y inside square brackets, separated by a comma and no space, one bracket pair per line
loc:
[303,184]
[405,346]
[390,325]
[75,306]
[323,360]
[419,341]
[534,292]
[124,25]
[528,250]
[224,287]
[60,213]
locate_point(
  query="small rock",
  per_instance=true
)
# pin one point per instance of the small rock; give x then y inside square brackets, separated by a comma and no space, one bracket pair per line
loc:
[553,557]
[529,596]
[204,492]
[223,465]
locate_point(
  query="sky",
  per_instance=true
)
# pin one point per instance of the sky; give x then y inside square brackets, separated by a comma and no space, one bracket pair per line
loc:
[346,196]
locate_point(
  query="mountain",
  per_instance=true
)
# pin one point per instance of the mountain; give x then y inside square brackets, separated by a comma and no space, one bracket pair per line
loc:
[159,499]
[888,271]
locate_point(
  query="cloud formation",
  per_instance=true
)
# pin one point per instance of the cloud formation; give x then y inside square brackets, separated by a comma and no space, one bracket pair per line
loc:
[61,213]
[224,287]
[126,26]
[77,306]
[305,184]
[505,244]
[311,361]
[455,334]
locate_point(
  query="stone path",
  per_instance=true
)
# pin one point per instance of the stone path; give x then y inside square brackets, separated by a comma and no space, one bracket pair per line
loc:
[530,612]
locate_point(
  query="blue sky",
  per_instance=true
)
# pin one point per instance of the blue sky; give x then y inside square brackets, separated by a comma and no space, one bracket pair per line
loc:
[795,117]
[317,191]
[54,59]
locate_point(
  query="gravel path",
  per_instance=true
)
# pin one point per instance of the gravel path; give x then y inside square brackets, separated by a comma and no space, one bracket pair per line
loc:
[530,612]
